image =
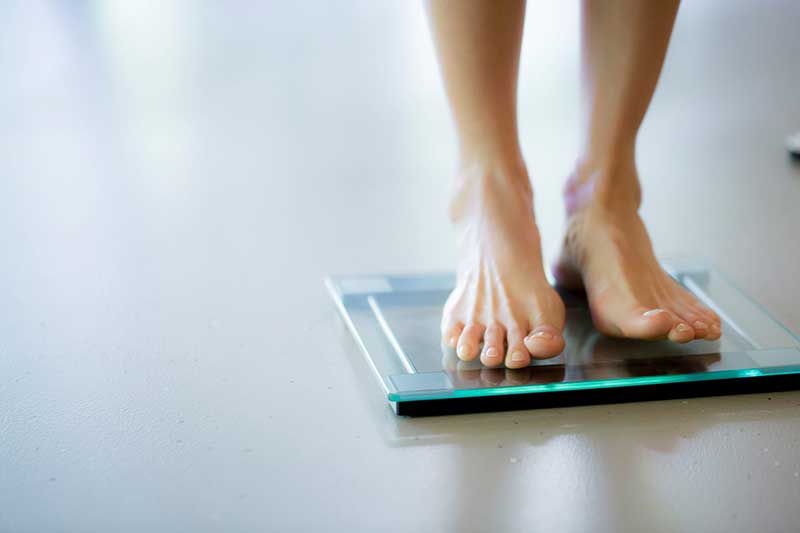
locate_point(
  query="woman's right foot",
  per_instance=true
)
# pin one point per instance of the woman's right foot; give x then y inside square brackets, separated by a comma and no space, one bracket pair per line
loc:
[502,309]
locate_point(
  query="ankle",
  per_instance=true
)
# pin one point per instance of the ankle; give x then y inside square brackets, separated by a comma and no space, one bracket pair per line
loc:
[484,185]
[611,184]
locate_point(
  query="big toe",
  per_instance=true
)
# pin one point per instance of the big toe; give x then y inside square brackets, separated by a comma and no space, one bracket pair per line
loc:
[635,322]
[544,342]
[647,323]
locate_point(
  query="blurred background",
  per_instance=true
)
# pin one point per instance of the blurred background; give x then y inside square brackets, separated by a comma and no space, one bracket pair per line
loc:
[176,178]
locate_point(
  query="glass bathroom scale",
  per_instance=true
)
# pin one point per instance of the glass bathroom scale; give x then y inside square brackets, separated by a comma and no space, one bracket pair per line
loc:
[395,322]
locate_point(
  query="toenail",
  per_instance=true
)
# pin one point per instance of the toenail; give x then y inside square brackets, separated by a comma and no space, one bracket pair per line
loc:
[453,341]
[491,352]
[682,327]
[700,325]
[517,356]
[546,335]
[654,312]
[715,328]
[463,350]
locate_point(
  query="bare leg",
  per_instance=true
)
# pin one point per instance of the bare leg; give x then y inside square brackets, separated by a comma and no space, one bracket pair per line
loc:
[607,248]
[502,298]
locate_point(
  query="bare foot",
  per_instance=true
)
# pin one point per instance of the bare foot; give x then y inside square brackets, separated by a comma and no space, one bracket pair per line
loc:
[608,252]
[502,298]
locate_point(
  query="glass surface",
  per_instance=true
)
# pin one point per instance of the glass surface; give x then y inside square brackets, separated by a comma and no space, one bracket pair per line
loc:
[395,321]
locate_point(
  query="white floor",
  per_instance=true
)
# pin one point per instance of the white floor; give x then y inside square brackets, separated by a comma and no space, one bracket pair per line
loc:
[177,177]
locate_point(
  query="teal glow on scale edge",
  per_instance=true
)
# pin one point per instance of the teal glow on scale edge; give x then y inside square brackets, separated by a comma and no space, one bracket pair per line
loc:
[597,384]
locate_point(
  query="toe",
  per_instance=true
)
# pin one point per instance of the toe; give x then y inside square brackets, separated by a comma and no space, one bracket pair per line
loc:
[702,318]
[714,332]
[701,328]
[493,345]
[517,355]
[469,342]
[620,313]
[697,322]
[681,332]
[451,333]
[691,314]
[711,319]
[645,323]
[544,342]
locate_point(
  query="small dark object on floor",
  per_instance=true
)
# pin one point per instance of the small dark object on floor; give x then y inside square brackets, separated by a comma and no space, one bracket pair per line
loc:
[793,144]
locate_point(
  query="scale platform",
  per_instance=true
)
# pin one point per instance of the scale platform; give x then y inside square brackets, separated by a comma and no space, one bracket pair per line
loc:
[395,321]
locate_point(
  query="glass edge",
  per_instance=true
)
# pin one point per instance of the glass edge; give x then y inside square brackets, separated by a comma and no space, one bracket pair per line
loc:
[335,294]
[596,384]
[756,304]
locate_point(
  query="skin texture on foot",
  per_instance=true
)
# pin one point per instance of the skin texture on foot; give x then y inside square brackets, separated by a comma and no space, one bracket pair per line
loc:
[502,309]
[608,252]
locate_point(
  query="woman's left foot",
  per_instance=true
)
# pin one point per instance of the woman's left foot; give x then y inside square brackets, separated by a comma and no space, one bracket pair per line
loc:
[608,252]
